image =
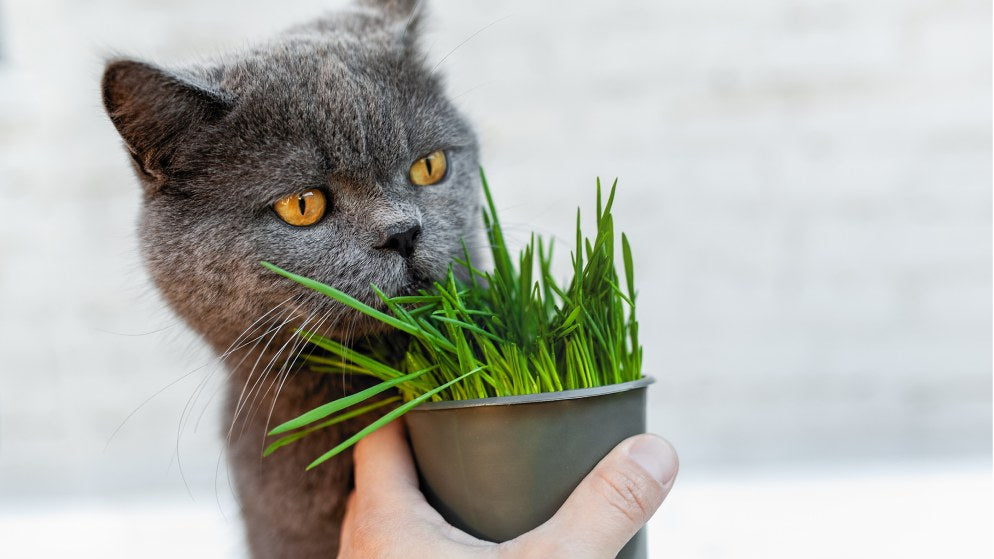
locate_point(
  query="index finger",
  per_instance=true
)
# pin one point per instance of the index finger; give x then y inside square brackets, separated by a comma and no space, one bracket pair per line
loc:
[384,466]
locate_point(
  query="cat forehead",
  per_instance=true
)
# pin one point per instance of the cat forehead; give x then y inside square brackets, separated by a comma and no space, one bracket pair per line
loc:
[362,104]
[296,75]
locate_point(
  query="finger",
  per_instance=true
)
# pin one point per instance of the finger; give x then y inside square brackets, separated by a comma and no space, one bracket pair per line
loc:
[387,516]
[613,502]
[384,469]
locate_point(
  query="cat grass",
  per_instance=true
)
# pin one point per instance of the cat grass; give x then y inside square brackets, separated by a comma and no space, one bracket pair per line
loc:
[511,331]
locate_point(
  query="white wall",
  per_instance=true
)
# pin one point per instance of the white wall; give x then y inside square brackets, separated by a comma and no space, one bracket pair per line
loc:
[807,186]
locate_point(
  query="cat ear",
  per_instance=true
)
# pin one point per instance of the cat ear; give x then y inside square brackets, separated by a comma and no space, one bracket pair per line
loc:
[404,15]
[396,10]
[154,110]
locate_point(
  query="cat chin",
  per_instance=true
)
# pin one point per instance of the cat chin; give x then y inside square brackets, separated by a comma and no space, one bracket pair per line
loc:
[414,279]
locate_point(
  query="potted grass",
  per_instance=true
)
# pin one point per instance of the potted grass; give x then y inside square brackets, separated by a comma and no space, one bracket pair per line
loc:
[514,385]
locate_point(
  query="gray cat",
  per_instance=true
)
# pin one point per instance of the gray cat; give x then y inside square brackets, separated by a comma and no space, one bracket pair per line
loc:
[332,152]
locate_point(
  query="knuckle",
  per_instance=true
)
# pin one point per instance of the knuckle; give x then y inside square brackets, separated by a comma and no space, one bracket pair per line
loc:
[626,492]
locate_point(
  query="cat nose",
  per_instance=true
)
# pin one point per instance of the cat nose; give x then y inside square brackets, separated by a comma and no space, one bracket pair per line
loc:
[402,239]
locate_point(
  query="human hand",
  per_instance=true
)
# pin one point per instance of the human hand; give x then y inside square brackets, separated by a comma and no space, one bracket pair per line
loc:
[387,516]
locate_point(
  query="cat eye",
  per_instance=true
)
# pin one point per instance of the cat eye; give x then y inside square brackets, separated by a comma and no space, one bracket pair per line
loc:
[302,208]
[429,169]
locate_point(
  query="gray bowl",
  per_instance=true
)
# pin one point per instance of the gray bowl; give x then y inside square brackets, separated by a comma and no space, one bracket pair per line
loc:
[499,467]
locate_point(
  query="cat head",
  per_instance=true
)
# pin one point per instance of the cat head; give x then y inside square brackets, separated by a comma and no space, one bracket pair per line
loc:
[330,151]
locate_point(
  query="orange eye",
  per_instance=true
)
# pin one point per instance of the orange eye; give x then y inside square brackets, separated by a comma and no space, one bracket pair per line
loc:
[301,208]
[429,169]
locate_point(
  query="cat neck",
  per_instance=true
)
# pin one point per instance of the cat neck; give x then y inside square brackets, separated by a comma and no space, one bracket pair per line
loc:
[278,495]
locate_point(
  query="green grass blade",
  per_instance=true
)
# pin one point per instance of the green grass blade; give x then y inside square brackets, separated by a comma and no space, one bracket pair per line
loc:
[626,254]
[343,298]
[467,326]
[387,418]
[324,411]
[293,437]
[371,364]
[522,330]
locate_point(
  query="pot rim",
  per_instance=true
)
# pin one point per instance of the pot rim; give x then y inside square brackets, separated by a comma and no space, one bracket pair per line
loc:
[540,397]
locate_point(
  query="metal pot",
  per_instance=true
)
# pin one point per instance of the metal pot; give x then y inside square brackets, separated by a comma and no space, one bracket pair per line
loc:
[499,467]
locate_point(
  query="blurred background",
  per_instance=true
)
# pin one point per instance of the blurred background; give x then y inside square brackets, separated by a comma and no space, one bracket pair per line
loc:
[806,184]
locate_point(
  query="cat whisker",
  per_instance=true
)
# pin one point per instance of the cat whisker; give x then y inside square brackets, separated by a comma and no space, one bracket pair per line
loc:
[239,405]
[472,89]
[292,341]
[184,418]
[172,383]
[466,40]
[146,401]
[241,402]
[232,347]
[285,371]
[347,339]
[219,361]
[273,327]
[217,474]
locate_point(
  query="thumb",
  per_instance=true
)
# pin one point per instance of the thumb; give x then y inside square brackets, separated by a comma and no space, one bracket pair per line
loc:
[612,503]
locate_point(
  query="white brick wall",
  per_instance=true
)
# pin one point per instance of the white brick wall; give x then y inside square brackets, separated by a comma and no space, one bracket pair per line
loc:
[806,184]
